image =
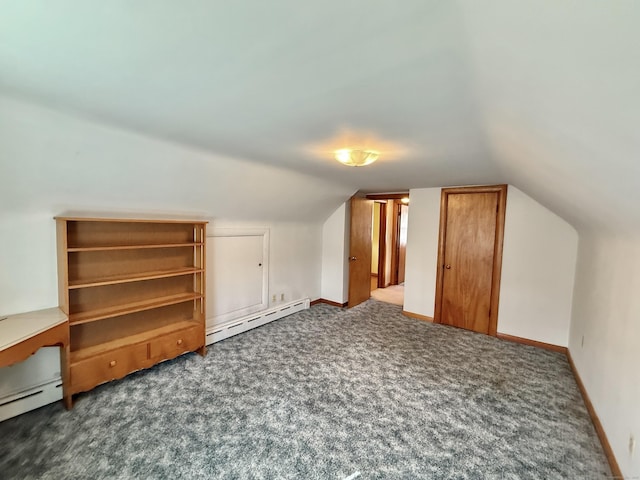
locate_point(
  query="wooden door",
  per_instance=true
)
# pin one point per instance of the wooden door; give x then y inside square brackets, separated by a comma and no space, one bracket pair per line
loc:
[360,251]
[470,257]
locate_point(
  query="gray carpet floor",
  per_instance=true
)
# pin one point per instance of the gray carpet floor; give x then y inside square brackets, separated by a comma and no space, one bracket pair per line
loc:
[326,393]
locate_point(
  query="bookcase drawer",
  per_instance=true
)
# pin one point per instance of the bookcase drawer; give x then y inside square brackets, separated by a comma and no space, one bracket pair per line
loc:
[88,373]
[177,343]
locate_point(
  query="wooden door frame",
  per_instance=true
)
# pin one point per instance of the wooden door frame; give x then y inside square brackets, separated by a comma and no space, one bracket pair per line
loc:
[501,190]
[395,242]
[382,242]
[385,198]
[398,243]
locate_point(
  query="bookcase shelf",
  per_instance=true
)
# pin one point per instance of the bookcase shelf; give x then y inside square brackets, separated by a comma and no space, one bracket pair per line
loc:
[134,291]
[132,307]
[127,278]
[131,247]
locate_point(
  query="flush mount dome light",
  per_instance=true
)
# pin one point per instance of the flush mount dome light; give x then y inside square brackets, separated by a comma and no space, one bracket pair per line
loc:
[356,158]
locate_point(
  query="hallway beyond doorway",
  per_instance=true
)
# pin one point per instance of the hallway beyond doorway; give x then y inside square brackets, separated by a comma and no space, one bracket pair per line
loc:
[392,294]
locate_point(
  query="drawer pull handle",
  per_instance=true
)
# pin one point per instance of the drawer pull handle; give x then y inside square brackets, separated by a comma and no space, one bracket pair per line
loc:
[112,363]
[179,342]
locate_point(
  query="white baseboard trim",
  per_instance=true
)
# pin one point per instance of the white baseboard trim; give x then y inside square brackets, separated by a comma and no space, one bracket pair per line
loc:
[30,399]
[240,325]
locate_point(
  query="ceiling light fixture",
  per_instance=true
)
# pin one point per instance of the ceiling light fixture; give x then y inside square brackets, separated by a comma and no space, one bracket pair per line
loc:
[356,158]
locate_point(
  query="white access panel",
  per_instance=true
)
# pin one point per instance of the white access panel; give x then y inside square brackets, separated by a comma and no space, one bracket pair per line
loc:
[237,274]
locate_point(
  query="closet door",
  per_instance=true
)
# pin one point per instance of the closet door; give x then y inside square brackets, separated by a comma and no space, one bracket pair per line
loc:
[470,257]
[360,250]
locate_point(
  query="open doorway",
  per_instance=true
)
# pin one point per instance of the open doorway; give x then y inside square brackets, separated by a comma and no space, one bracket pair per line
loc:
[388,244]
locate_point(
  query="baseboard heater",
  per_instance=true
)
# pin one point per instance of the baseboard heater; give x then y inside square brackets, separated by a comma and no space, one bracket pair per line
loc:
[30,399]
[240,325]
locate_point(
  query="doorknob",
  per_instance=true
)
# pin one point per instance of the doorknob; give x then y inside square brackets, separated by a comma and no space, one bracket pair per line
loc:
[353,259]
[448,267]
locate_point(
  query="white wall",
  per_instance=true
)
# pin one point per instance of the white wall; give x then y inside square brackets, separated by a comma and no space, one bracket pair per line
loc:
[28,264]
[538,268]
[422,251]
[606,312]
[295,257]
[28,269]
[52,163]
[295,263]
[335,241]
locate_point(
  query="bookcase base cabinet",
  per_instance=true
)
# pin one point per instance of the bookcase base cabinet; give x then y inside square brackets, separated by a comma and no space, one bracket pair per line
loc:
[115,364]
[134,292]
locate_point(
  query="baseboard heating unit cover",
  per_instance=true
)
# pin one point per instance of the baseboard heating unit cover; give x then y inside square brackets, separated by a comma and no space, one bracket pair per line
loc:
[30,399]
[233,327]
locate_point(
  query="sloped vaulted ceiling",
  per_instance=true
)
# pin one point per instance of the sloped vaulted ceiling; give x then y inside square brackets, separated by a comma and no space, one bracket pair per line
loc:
[540,94]
[558,88]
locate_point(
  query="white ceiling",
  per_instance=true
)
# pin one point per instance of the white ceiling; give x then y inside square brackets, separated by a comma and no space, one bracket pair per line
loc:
[539,93]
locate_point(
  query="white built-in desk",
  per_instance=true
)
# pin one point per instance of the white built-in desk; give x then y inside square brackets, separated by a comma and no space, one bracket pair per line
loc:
[24,334]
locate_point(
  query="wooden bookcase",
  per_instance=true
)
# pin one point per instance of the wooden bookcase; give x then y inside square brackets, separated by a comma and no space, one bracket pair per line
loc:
[134,291]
